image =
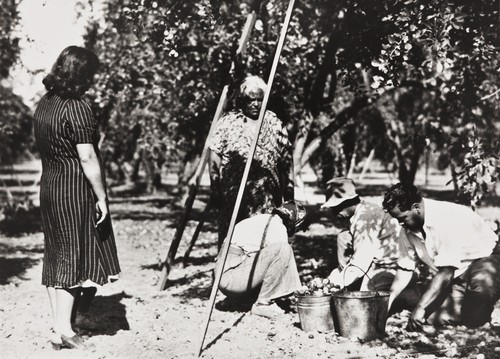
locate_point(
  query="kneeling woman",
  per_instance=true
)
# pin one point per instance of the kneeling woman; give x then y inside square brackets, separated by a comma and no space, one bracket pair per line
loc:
[260,260]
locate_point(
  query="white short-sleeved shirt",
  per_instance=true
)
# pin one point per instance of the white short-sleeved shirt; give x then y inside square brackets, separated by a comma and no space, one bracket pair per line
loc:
[374,240]
[248,235]
[454,237]
[249,232]
[375,235]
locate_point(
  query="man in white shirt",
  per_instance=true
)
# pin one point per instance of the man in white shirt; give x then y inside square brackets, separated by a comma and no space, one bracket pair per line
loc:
[260,260]
[458,246]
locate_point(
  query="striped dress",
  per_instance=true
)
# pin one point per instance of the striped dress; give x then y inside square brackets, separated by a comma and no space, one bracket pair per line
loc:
[76,253]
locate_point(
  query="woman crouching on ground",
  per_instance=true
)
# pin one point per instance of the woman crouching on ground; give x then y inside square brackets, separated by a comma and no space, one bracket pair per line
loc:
[260,261]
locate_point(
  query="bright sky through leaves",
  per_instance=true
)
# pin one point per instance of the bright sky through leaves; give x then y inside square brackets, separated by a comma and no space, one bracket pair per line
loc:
[46,28]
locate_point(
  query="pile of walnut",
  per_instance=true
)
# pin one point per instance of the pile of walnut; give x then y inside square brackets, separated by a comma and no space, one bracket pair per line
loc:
[317,287]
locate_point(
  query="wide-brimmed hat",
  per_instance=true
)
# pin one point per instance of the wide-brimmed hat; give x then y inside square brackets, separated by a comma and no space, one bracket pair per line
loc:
[293,215]
[338,191]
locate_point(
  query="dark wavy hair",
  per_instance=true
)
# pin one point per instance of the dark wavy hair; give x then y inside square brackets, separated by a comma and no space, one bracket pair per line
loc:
[402,195]
[73,72]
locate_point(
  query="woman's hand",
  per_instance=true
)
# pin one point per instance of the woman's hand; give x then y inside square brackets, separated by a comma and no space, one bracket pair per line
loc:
[101,207]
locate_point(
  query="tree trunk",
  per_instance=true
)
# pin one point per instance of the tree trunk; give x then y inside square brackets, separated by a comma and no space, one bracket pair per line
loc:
[341,119]
[403,173]
[454,177]
[186,174]
[153,173]
[316,98]
[300,141]
[407,172]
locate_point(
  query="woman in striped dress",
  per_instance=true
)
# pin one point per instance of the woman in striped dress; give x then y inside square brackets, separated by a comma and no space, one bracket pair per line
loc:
[80,248]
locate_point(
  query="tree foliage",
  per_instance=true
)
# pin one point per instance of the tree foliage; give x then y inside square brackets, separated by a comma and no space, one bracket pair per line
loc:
[15,118]
[399,77]
[9,42]
[450,49]
[158,77]
[15,127]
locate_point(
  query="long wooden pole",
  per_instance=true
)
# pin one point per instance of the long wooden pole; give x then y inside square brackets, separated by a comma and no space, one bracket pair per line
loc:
[193,185]
[225,248]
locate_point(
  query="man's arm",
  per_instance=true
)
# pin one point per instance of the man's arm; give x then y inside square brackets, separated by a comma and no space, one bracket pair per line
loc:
[406,266]
[358,264]
[365,231]
[437,286]
[401,281]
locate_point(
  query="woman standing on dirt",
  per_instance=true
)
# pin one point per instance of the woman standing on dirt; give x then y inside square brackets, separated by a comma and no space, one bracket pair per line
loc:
[270,179]
[80,248]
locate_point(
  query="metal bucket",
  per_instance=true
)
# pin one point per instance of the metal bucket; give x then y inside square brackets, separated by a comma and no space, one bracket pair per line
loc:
[361,314]
[315,313]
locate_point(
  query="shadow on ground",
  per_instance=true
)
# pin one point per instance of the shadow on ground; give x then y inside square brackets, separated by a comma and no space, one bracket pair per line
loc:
[220,335]
[109,314]
[200,288]
[14,267]
[22,222]
[317,253]
[23,249]
[157,209]
[188,279]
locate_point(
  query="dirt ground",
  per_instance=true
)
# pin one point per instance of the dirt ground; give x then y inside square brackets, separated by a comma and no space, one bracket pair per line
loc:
[132,319]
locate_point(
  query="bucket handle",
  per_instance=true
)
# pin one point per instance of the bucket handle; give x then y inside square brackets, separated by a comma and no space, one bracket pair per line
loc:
[364,274]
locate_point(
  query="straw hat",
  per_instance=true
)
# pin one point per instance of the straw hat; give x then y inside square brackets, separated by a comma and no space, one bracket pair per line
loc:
[338,191]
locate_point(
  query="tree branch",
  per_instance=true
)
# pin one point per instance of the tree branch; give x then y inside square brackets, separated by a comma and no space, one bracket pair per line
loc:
[340,120]
[490,95]
[327,66]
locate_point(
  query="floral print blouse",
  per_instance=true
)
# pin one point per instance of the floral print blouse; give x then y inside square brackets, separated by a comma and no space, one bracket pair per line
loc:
[270,177]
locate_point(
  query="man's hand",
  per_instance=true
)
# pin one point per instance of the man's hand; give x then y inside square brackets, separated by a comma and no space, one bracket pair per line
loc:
[437,287]
[417,320]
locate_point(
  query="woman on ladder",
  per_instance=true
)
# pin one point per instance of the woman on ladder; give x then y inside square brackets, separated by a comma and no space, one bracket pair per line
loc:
[270,180]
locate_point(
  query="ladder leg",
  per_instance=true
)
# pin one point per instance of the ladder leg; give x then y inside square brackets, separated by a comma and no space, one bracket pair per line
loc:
[196,234]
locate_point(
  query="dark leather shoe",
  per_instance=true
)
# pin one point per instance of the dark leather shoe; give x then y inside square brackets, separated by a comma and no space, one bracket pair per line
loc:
[74,342]
[56,346]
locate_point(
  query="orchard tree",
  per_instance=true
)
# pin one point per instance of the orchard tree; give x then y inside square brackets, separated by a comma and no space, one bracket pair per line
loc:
[428,70]
[9,43]
[451,50]
[162,72]
[395,77]
[15,118]
[15,127]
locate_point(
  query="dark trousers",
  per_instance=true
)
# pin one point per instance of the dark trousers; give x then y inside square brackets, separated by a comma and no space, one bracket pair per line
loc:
[471,298]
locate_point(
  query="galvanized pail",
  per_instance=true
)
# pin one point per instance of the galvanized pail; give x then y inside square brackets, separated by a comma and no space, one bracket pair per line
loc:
[315,312]
[361,314]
